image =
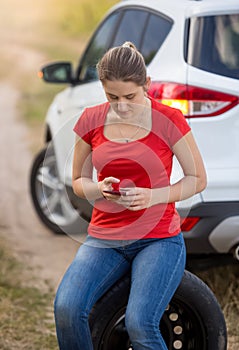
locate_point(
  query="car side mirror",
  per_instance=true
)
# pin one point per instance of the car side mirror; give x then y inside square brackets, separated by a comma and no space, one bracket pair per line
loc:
[59,73]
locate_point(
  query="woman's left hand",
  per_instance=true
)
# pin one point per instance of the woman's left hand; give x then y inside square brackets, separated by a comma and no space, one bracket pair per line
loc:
[136,198]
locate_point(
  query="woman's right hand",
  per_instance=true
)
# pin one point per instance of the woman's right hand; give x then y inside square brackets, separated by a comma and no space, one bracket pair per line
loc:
[106,185]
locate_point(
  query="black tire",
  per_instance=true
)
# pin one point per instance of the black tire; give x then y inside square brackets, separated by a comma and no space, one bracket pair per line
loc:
[192,321]
[49,196]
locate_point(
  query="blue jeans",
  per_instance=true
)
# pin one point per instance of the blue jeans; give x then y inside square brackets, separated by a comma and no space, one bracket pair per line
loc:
[157,267]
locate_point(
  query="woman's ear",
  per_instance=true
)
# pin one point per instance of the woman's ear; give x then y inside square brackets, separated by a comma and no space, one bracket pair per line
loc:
[147,84]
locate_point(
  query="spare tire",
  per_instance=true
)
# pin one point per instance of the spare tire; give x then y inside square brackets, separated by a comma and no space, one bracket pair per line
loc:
[192,321]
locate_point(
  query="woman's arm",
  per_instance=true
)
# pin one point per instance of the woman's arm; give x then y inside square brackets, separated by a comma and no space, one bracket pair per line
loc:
[194,180]
[82,183]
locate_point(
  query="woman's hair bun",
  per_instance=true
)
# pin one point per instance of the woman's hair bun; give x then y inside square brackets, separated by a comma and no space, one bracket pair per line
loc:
[130,45]
[123,63]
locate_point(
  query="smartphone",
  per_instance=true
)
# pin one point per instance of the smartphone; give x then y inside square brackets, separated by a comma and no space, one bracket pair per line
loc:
[116,193]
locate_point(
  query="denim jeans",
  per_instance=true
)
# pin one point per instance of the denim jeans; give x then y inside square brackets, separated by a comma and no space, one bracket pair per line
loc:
[157,267]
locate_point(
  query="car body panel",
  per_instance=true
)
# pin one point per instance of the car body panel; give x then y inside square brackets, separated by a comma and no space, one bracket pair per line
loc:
[62,117]
[216,136]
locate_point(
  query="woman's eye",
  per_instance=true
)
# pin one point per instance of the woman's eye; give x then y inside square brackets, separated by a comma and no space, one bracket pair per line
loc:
[113,97]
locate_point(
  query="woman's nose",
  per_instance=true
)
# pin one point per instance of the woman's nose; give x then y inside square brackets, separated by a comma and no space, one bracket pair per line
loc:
[122,106]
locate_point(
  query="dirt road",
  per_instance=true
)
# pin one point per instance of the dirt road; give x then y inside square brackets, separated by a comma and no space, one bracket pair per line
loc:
[47,254]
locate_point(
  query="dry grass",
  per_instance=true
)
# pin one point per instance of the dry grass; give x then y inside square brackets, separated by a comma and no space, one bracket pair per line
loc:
[224,282]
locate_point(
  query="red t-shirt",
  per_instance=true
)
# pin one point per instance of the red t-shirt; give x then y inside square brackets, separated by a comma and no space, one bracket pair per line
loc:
[146,162]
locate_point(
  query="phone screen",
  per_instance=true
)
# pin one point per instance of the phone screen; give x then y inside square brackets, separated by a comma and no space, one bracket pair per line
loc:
[116,193]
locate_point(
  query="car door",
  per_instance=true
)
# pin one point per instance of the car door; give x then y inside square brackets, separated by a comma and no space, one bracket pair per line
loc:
[214,65]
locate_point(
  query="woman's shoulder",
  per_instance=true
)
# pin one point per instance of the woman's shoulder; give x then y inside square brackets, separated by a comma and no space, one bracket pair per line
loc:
[163,109]
[91,118]
[167,114]
[169,122]
[96,110]
[94,115]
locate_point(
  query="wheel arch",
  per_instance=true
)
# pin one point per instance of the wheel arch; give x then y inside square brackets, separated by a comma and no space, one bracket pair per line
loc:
[47,134]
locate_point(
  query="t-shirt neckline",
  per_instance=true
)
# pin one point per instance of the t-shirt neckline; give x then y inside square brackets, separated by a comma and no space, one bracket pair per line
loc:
[130,142]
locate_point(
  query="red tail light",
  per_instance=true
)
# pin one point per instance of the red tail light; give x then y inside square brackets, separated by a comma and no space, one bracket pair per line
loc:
[194,102]
[189,222]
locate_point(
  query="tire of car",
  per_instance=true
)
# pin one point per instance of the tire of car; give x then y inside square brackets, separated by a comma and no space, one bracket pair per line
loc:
[192,321]
[49,196]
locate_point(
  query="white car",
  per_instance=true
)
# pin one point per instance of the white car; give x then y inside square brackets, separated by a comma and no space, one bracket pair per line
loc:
[191,49]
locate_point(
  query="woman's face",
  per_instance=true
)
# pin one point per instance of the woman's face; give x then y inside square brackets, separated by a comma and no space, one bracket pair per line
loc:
[126,98]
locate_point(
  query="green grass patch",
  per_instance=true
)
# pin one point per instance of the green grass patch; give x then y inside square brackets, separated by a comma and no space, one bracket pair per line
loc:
[79,17]
[26,320]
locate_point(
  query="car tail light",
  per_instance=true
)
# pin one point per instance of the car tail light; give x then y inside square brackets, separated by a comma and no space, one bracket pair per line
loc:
[194,102]
[189,222]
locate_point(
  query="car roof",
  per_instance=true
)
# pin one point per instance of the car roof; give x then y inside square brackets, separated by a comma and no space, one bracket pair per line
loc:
[185,8]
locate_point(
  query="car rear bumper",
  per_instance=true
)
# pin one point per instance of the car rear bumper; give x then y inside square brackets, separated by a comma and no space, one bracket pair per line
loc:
[217,230]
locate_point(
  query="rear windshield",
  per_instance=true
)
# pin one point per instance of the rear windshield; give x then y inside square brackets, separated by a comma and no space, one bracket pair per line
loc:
[214,44]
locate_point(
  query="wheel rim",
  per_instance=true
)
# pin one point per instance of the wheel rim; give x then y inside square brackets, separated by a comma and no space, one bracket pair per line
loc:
[180,327]
[51,194]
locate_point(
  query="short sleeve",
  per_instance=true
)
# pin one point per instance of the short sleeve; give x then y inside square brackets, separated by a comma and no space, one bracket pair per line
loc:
[81,127]
[170,124]
[177,127]
[91,121]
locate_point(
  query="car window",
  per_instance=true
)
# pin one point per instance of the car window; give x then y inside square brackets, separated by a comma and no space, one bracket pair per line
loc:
[142,27]
[98,45]
[145,29]
[131,27]
[156,32]
[214,44]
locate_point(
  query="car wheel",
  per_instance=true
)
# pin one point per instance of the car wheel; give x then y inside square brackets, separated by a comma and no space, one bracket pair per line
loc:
[49,196]
[192,321]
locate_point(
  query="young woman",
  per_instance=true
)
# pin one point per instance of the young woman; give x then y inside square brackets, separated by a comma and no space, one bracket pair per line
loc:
[130,140]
